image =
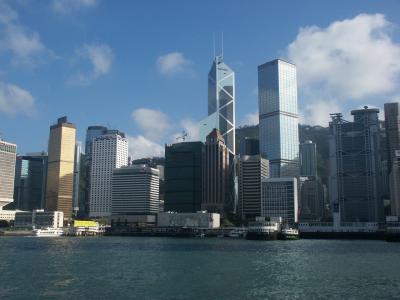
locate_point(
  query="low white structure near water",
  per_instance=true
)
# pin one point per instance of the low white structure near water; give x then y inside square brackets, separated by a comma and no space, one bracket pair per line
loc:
[193,220]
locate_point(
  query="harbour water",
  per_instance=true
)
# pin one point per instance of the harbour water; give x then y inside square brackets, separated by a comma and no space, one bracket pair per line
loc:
[173,268]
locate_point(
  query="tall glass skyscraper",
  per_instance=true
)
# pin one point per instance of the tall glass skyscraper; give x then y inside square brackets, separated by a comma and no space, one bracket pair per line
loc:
[221,103]
[279,133]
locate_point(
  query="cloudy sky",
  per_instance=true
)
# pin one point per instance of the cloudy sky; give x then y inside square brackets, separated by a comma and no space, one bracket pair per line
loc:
[141,66]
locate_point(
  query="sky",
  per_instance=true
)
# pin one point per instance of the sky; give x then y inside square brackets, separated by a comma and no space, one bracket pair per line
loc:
[142,66]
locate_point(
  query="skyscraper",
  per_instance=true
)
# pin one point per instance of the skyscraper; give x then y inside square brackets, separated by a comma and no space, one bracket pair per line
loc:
[30,181]
[216,175]
[308,159]
[7,172]
[183,177]
[251,170]
[77,173]
[109,151]
[392,125]
[221,103]
[277,102]
[92,132]
[60,170]
[355,182]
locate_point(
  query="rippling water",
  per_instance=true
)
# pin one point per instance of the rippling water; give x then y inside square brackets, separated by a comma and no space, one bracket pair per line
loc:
[167,268]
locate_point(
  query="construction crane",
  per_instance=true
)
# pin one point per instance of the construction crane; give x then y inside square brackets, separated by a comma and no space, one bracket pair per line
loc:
[182,137]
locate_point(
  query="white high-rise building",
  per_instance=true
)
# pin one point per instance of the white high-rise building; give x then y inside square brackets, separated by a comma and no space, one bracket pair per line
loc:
[279,198]
[277,103]
[7,172]
[109,151]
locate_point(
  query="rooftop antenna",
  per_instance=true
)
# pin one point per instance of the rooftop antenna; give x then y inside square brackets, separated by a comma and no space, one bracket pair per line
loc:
[214,43]
[222,45]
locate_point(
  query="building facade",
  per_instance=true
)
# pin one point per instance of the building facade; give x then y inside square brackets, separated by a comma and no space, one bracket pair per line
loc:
[392,126]
[355,182]
[8,154]
[183,177]
[277,102]
[77,174]
[60,167]
[221,103]
[30,181]
[312,196]
[217,181]
[308,159]
[92,132]
[251,170]
[249,146]
[135,190]
[39,219]
[109,151]
[279,198]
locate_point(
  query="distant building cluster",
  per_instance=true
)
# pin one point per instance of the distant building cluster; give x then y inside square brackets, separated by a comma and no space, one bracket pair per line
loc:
[241,175]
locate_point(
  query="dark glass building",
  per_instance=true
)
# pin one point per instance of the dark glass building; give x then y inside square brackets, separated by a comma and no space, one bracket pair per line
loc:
[30,181]
[249,146]
[183,177]
[355,188]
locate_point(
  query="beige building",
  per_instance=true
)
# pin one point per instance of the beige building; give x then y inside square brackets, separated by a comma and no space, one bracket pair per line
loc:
[216,174]
[7,172]
[60,171]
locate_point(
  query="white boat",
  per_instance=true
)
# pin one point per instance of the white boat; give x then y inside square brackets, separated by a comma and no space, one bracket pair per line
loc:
[262,230]
[48,232]
[289,234]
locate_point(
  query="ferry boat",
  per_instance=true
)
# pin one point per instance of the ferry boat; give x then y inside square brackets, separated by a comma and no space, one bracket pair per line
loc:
[48,232]
[262,230]
[289,234]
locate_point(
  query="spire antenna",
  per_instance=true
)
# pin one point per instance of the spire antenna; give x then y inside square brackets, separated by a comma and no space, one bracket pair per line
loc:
[222,45]
[214,44]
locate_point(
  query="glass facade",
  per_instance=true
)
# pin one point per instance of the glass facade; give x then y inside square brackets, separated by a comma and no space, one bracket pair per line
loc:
[279,133]
[221,103]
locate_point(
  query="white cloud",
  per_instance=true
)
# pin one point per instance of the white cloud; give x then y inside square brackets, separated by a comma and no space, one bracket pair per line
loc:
[15,100]
[100,57]
[351,59]
[192,129]
[250,119]
[317,112]
[141,147]
[7,14]
[67,6]
[24,45]
[172,63]
[155,124]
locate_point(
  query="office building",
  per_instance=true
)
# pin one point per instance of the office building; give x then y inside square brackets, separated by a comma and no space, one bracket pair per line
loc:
[60,167]
[109,151]
[30,181]
[355,182]
[221,103]
[277,102]
[311,199]
[251,170]
[77,194]
[217,181]
[279,198]
[8,153]
[392,126]
[92,132]
[183,177]
[249,146]
[135,190]
[308,159]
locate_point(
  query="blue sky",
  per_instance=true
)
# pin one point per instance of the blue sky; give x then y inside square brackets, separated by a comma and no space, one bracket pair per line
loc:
[141,66]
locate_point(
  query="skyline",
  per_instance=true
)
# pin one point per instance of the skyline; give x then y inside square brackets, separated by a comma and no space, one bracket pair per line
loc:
[133,70]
